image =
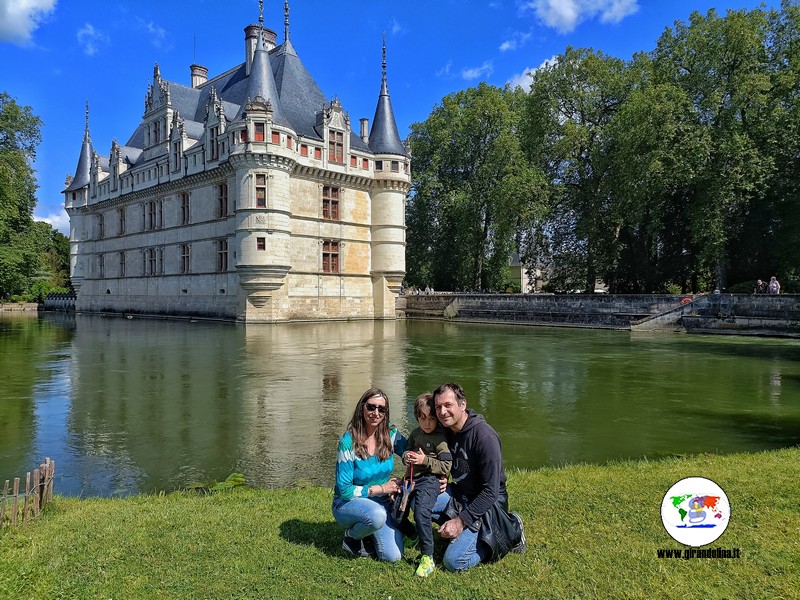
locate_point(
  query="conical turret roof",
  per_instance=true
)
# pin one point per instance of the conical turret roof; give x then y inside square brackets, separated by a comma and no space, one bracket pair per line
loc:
[261,83]
[384,137]
[81,178]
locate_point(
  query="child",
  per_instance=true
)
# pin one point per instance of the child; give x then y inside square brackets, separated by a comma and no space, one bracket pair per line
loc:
[430,458]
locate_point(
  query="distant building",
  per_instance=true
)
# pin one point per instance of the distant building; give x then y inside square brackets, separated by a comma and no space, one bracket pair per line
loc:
[247,196]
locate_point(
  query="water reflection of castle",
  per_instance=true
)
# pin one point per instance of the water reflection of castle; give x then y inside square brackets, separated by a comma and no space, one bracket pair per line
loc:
[165,404]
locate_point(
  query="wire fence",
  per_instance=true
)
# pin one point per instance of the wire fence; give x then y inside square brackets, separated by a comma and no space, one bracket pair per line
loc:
[18,506]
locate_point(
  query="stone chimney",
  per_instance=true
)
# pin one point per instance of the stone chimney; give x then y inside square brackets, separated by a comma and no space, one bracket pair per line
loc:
[364,130]
[250,41]
[199,75]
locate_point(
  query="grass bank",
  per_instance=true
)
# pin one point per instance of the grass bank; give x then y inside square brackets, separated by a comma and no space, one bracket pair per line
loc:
[593,532]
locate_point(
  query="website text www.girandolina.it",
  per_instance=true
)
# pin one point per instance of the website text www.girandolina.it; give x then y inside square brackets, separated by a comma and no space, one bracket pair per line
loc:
[688,553]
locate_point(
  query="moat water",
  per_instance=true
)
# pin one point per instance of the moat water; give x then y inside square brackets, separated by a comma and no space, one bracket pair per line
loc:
[128,406]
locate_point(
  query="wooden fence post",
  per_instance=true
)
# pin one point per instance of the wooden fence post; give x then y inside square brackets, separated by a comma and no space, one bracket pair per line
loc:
[27,496]
[35,493]
[51,477]
[16,501]
[3,504]
[42,485]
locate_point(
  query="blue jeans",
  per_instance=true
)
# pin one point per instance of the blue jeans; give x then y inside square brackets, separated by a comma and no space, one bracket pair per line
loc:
[362,517]
[465,551]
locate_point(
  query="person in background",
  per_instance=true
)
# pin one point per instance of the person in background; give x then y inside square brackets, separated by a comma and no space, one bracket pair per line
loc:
[364,483]
[774,286]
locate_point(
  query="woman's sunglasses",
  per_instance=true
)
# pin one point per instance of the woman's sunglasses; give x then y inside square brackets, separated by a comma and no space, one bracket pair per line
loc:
[374,407]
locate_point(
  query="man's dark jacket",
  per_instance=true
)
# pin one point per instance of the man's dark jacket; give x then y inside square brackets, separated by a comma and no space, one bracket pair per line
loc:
[479,485]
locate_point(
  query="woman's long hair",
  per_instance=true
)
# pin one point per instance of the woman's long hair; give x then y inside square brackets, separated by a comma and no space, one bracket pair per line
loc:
[358,428]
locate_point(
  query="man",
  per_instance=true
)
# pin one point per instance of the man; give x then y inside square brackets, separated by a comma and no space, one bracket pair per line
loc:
[473,510]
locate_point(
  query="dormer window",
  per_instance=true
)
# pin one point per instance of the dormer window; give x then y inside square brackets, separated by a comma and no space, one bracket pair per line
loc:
[176,156]
[213,134]
[156,133]
[259,132]
[335,146]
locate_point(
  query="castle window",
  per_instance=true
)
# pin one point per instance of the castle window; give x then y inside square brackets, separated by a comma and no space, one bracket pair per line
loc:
[303,152]
[353,161]
[212,142]
[276,137]
[259,132]
[261,244]
[101,228]
[160,261]
[155,213]
[222,200]
[364,163]
[318,153]
[330,256]
[151,261]
[289,142]
[121,221]
[156,133]
[184,208]
[379,165]
[101,265]
[330,203]
[336,146]
[243,135]
[222,255]
[261,190]
[122,264]
[395,166]
[185,257]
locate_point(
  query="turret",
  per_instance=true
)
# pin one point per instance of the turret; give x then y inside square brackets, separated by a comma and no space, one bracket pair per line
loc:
[392,180]
[76,195]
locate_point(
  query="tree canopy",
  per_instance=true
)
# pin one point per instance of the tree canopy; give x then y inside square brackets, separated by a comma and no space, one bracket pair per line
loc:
[33,256]
[677,170]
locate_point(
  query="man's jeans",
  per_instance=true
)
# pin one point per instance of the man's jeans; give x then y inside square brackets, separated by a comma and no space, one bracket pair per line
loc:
[465,551]
[362,517]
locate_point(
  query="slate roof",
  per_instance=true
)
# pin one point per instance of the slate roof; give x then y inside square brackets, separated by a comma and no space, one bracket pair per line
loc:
[81,178]
[278,76]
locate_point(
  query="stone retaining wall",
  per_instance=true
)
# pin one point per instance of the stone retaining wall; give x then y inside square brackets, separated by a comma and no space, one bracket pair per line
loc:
[745,314]
[614,311]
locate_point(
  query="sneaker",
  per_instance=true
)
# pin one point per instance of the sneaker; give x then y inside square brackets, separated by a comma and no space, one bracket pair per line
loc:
[354,547]
[426,566]
[521,546]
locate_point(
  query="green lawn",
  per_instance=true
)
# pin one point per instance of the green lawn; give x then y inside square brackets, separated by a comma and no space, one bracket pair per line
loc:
[593,532]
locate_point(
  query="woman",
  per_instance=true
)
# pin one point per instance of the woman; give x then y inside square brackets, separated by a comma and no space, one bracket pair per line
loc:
[364,465]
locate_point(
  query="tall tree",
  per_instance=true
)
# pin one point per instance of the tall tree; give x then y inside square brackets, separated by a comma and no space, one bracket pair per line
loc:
[472,187]
[571,102]
[721,64]
[31,253]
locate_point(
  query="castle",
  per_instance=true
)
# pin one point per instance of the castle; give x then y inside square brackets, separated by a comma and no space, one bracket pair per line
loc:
[245,197]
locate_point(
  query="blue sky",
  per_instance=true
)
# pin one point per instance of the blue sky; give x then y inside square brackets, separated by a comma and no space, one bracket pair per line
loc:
[55,55]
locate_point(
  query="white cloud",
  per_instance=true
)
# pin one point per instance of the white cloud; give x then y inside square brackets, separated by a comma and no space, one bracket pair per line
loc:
[19,18]
[58,221]
[566,15]
[158,34]
[445,70]
[396,27]
[524,79]
[90,39]
[517,40]
[485,69]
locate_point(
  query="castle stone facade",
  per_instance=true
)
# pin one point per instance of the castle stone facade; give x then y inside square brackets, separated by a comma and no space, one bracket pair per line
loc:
[246,197]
